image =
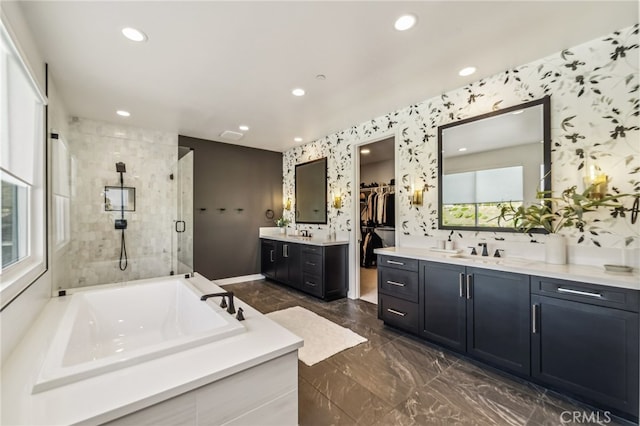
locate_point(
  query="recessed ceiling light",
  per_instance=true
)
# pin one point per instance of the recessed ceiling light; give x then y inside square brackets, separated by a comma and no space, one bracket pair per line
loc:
[133,34]
[365,151]
[405,22]
[467,71]
[298,92]
[462,149]
[297,139]
[243,127]
[123,113]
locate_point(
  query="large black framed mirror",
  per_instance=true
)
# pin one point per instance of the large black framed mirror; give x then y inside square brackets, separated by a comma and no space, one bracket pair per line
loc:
[311,192]
[500,157]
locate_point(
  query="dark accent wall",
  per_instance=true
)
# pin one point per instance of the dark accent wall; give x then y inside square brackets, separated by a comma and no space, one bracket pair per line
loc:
[231,177]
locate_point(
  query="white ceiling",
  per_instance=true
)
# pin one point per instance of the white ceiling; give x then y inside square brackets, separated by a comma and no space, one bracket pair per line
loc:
[210,66]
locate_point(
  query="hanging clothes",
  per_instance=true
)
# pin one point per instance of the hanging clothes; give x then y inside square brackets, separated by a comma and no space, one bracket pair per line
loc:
[370,242]
[379,208]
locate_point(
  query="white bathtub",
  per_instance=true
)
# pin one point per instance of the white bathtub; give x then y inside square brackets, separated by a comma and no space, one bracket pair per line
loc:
[108,329]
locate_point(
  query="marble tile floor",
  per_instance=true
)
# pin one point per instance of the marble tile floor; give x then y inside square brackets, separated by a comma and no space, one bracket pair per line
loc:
[396,379]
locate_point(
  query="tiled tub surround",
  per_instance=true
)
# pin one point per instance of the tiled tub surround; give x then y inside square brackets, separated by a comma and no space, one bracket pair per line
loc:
[91,254]
[594,105]
[572,328]
[201,383]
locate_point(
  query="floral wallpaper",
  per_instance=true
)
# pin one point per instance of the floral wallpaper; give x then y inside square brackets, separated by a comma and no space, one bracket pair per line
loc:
[595,113]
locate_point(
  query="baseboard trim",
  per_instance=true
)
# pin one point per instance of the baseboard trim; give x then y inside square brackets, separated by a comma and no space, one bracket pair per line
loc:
[236,280]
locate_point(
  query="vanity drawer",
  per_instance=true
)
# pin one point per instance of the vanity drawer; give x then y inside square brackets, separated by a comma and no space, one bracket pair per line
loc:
[398,263]
[312,263]
[399,313]
[614,297]
[312,284]
[398,283]
[307,248]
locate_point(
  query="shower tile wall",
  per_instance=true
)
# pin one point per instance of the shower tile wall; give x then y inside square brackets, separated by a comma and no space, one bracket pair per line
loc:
[92,251]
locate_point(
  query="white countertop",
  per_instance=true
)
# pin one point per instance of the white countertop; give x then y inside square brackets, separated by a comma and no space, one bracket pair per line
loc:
[112,395]
[314,241]
[582,273]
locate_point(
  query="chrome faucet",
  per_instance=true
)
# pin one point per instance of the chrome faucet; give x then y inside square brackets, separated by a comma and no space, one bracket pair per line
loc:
[230,308]
[484,249]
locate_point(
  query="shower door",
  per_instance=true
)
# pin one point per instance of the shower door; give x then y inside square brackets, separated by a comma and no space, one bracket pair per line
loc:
[183,224]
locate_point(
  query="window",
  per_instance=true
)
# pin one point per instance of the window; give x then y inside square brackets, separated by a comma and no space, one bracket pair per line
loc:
[22,173]
[474,198]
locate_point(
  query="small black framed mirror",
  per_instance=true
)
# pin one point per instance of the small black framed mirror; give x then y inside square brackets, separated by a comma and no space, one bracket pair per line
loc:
[500,157]
[311,192]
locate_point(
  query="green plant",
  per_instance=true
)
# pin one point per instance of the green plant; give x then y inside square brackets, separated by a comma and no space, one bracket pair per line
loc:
[555,213]
[282,222]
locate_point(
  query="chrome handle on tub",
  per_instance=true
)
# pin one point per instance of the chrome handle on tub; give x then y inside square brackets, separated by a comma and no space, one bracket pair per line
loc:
[396,283]
[461,281]
[534,318]
[393,311]
[394,262]
[579,293]
[469,278]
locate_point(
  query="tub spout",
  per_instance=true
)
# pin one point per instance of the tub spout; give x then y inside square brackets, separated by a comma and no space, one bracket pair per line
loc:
[230,308]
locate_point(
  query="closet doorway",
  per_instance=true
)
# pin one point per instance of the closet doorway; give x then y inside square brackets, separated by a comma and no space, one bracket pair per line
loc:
[377,210]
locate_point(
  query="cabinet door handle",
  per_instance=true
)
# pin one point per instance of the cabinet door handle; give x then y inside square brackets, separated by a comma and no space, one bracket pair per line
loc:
[310,264]
[393,262]
[271,255]
[396,283]
[312,284]
[469,279]
[534,318]
[285,250]
[393,311]
[578,292]
[461,281]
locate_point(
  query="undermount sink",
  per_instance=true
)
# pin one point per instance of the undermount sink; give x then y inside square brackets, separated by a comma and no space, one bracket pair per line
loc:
[299,237]
[507,261]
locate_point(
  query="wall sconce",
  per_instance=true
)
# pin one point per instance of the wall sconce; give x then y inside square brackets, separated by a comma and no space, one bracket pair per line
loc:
[337,201]
[595,181]
[287,204]
[416,196]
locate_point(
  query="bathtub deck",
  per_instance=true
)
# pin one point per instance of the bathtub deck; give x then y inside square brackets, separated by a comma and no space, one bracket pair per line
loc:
[113,395]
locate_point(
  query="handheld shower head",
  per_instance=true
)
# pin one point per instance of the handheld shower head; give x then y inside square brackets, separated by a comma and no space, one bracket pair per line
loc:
[120,167]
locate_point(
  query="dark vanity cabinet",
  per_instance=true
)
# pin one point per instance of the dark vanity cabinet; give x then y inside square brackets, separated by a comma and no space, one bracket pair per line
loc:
[577,338]
[280,261]
[398,292]
[268,250]
[585,341]
[482,312]
[320,271]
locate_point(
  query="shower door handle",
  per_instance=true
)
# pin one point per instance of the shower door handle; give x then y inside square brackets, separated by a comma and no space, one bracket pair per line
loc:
[180,229]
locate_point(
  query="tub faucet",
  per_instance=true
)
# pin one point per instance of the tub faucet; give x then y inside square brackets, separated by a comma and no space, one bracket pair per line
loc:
[230,308]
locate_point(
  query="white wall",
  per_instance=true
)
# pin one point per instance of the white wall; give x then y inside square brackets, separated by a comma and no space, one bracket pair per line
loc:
[17,317]
[380,172]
